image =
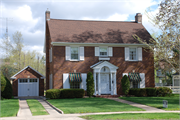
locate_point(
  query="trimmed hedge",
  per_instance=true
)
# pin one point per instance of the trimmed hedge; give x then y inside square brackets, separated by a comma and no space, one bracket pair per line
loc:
[72,93]
[53,93]
[164,91]
[140,92]
[64,93]
[151,91]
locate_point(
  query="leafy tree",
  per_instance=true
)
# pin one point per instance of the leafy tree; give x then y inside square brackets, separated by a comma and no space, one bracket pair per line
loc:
[90,84]
[125,84]
[167,43]
[16,59]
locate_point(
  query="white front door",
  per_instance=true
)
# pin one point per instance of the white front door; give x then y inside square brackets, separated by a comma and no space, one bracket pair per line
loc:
[104,84]
[28,87]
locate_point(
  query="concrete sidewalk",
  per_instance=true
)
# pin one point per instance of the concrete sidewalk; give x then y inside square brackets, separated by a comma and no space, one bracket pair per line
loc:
[145,107]
[24,110]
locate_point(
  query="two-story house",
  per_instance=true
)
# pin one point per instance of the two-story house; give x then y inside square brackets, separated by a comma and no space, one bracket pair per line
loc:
[106,48]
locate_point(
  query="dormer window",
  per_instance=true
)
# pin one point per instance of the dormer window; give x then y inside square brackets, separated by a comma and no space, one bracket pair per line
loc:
[74,53]
[103,51]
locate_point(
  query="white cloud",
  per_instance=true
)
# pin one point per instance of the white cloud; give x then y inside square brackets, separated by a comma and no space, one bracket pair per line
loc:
[118,17]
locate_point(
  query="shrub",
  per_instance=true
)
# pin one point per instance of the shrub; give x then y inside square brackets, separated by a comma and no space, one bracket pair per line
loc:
[3,82]
[72,93]
[53,93]
[7,93]
[151,91]
[164,91]
[137,91]
[142,92]
[90,84]
[125,84]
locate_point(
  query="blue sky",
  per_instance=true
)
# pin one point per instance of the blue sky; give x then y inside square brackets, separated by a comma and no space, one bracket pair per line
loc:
[28,16]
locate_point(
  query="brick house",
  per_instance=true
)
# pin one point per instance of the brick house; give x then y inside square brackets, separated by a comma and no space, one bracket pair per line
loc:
[106,48]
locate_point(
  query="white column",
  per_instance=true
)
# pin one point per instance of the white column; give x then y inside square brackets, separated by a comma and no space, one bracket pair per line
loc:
[99,84]
[112,89]
[115,88]
[94,83]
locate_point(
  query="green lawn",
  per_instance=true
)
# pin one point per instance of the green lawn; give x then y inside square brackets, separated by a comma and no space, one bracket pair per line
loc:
[9,107]
[91,105]
[134,116]
[36,107]
[173,101]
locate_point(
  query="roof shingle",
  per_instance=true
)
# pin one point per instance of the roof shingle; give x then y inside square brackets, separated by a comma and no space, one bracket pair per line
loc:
[81,31]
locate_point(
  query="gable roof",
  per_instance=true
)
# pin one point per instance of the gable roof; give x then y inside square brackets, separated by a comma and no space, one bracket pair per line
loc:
[84,31]
[14,76]
[106,63]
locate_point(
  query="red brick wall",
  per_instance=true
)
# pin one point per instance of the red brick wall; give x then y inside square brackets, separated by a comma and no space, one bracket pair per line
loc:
[48,46]
[60,65]
[25,74]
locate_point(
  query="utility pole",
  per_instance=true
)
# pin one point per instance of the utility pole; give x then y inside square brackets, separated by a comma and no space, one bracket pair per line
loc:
[7,19]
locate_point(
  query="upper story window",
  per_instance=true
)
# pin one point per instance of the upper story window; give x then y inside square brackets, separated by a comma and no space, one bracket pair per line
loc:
[103,51]
[74,53]
[132,54]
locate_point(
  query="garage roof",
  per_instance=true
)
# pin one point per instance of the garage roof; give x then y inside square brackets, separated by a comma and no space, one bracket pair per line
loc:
[14,76]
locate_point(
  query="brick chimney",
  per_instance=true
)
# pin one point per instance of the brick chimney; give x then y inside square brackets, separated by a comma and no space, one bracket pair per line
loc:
[138,18]
[47,14]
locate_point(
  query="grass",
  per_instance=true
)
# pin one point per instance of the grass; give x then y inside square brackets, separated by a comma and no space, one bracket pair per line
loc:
[91,105]
[36,107]
[173,101]
[134,116]
[9,107]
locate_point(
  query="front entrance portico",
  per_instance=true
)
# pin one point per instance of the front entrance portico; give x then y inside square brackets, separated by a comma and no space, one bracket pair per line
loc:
[104,78]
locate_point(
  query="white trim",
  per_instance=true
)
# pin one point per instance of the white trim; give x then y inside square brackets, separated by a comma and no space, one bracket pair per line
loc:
[106,58]
[13,77]
[99,44]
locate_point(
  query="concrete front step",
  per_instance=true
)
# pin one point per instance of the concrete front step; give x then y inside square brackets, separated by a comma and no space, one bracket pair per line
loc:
[107,96]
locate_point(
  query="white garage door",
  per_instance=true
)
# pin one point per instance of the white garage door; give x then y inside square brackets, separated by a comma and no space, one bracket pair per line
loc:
[28,87]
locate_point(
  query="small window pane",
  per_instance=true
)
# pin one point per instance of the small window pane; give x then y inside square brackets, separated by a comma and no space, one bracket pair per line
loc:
[74,85]
[74,52]
[135,84]
[103,51]
[132,53]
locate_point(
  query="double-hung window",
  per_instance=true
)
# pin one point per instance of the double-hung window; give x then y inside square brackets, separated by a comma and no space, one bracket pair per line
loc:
[74,53]
[103,51]
[132,54]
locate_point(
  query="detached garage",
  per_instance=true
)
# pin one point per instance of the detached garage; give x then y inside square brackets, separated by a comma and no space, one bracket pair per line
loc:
[28,82]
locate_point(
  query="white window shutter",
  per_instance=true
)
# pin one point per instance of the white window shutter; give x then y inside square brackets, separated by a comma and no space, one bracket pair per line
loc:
[125,74]
[83,83]
[66,84]
[140,54]
[50,55]
[142,83]
[110,51]
[126,53]
[81,53]
[50,81]
[96,51]
[68,53]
